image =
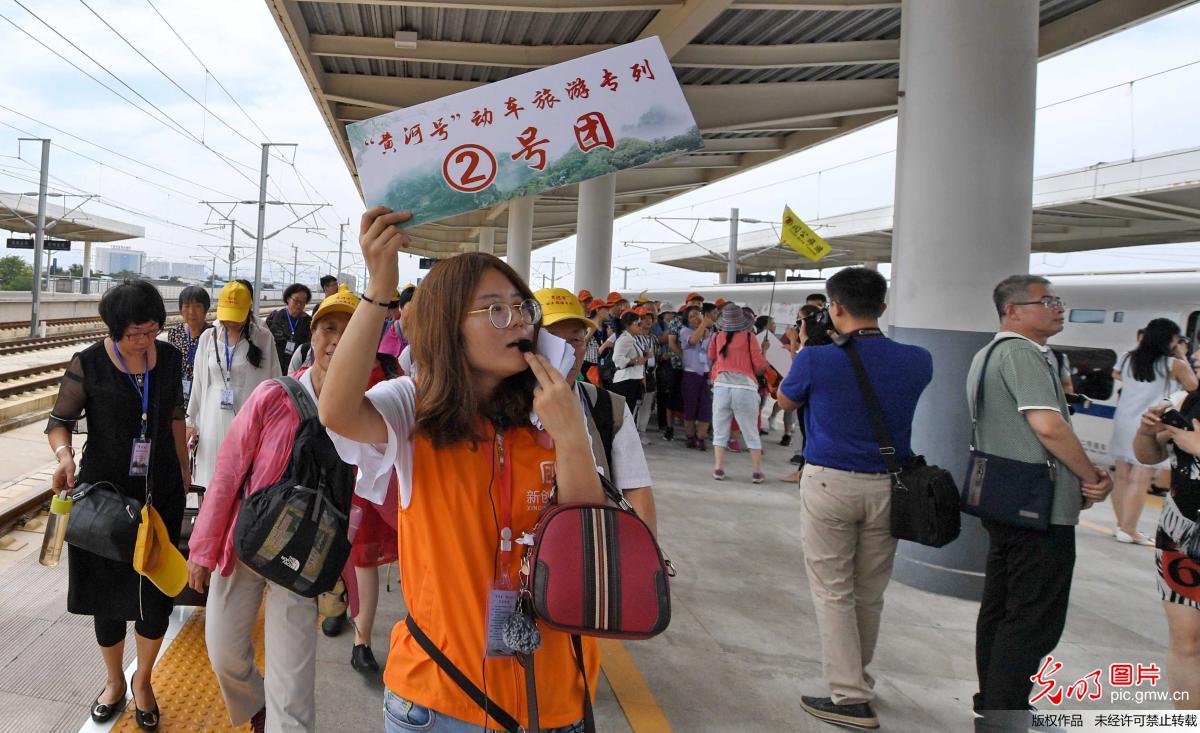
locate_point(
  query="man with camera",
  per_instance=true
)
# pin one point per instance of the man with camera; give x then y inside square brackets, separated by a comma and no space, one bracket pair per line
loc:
[1023,417]
[845,490]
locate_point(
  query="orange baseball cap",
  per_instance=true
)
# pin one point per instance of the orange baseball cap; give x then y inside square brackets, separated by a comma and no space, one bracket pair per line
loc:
[721,302]
[585,295]
[614,297]
[596,305]
[693,296]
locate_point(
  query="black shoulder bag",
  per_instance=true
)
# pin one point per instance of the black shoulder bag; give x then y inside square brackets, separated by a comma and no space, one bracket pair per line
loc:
[294,532]
[1003,490]
[924,498]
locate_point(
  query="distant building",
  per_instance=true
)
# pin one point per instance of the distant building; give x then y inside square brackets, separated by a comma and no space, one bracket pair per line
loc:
[164,270]
[111,260]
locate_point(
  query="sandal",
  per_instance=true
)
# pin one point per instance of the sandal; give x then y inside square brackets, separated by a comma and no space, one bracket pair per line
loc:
[102,712]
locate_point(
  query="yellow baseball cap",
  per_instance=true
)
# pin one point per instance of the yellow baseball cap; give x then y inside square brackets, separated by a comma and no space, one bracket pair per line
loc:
[155,557]
[559,304]
[233,304]
[343,301]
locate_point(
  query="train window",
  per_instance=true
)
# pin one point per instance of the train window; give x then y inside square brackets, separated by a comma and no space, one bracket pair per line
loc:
[1118,316]
[1087,315]
[1091,370]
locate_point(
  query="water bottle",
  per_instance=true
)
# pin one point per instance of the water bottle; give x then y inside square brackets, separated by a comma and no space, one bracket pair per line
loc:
[56,530]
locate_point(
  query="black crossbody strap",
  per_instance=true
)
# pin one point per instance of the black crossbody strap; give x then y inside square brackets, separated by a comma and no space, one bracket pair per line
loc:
[589,717]
[978,401]
[489,706]
[304,404]
[887,450]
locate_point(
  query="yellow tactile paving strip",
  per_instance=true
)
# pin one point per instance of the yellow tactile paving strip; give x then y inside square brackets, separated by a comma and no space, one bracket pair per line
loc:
[186,687]
[190,699]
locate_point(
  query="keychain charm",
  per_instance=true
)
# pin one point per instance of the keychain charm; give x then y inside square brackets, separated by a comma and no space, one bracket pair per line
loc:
[521,633]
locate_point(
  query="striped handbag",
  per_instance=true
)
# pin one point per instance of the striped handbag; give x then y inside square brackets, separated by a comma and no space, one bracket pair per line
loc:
[596,570]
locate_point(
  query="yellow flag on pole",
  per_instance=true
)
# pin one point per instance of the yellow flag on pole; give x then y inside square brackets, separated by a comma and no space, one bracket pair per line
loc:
[798,236]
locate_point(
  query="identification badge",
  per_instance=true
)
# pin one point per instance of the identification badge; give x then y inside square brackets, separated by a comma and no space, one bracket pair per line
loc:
[187,388]
[501,604]
[289,347]
[139,457]
[226,399]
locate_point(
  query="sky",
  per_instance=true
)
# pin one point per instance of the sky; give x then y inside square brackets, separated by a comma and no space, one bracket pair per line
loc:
[199,86]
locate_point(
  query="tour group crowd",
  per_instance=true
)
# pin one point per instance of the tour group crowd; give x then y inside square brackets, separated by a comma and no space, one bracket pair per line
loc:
[417,388]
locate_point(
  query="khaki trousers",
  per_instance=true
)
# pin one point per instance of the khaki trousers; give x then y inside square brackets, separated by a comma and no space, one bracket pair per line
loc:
[848,550]
[291,650]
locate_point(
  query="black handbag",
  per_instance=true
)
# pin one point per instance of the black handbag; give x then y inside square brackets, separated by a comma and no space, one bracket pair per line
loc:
[1004,490]
[104,521]
[924,497]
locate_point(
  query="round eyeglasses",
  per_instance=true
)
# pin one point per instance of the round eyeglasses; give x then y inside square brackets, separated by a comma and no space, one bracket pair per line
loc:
[501,314]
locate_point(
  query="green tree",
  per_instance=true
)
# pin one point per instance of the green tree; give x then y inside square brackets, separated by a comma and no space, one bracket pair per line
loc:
[15,274]
[75,270]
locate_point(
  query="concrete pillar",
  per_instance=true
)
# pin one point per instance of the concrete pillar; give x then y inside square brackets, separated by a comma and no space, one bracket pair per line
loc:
[520,235]
[593,239]
[487,240]
[871,265]
[722,277]
[87,268]
[781,275]
[964,185]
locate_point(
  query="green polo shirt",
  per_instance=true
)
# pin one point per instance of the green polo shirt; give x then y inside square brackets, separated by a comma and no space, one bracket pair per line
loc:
[1020,378]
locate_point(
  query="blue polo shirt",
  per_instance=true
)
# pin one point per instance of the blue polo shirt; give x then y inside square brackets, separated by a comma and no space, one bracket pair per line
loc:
[837,431]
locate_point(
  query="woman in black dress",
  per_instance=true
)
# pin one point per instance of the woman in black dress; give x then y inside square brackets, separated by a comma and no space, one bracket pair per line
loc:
[108,382]
[290,325]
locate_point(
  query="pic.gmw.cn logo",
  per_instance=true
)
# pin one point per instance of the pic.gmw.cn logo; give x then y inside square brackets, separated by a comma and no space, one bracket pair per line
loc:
[1127,681]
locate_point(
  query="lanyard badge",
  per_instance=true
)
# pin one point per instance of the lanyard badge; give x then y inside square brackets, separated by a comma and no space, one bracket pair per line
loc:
[139,455]
[227,396]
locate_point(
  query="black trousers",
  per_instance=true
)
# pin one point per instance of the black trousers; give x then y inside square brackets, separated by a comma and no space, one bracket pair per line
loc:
[664,376]
[111,631]
[1023,611]
[631,389]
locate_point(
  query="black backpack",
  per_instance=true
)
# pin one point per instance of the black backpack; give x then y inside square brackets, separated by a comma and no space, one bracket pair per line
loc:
[294,532]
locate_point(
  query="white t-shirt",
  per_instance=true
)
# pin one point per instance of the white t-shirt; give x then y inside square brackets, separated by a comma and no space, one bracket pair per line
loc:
[395,399]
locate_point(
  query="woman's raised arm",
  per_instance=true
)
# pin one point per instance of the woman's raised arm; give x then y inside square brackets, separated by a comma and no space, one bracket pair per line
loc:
[344,407]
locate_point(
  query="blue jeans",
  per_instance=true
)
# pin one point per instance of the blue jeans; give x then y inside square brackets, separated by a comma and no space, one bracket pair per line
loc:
[402,716]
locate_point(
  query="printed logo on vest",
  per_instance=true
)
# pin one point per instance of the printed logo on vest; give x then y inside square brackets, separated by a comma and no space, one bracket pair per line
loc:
[290,561]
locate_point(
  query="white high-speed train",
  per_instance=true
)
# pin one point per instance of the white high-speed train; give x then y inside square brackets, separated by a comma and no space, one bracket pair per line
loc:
[1104,313]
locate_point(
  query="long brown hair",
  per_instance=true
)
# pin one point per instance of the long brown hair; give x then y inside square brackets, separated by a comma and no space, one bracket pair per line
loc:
[448,405]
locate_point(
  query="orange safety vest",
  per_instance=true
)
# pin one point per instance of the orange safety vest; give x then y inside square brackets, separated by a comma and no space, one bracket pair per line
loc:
[448,537]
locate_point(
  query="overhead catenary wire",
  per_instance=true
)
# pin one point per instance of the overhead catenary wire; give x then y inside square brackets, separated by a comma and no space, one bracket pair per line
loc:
[170,123]
[106,149]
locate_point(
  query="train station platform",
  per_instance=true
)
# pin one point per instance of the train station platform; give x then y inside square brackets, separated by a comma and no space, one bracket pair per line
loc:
[742,647]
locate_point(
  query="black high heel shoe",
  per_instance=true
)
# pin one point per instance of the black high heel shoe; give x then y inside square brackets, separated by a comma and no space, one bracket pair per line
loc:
[104,712]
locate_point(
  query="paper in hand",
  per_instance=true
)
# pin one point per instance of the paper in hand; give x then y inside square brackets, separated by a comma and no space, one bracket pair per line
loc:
[561,356]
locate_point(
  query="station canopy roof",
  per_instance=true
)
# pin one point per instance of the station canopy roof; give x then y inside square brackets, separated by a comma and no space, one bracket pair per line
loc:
[1151,200]
[764,78]
[18,213]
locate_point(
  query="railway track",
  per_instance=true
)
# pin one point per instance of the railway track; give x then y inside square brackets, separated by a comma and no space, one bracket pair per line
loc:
[20,381]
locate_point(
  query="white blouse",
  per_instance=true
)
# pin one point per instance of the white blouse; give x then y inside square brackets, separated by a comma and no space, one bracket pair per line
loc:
[204,411]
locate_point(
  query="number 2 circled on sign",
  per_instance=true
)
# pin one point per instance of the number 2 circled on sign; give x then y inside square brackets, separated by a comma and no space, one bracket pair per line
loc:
[469,168]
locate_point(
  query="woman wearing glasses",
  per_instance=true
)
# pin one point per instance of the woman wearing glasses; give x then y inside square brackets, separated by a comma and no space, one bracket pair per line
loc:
[290,325]
[231,360]
[131,384]
[473,475]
